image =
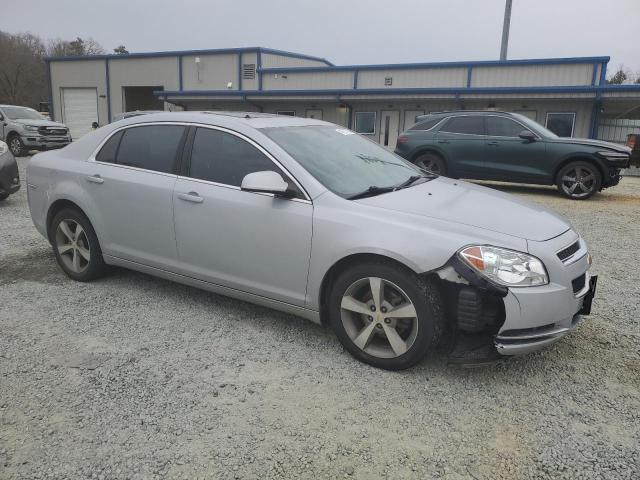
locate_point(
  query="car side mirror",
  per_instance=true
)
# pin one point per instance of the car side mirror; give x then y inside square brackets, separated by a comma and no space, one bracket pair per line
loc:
[266,182]
[527,135]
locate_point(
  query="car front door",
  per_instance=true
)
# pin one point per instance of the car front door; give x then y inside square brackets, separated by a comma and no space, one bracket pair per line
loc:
[462,140]
[252,242]
[511,158]
[131,184]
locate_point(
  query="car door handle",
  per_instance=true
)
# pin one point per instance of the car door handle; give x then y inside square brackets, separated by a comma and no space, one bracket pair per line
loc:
[95,179]
[443,141]
[191,197]
[492,144]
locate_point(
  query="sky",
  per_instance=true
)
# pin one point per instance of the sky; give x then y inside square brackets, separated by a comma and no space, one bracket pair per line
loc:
[348,31]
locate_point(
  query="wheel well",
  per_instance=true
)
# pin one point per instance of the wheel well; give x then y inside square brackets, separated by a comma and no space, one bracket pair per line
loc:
[11,134]
[342,265]
[578,159]
[57,206]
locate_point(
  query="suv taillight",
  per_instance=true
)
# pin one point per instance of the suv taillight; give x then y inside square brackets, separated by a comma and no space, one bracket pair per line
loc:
[402,139]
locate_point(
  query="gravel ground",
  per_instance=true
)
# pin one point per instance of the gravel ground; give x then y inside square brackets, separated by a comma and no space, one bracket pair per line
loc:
[136,377]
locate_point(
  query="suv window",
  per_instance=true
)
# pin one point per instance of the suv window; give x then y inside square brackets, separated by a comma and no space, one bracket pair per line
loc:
[469,124]
[109,150]
[503,127]
[429,124]
[152,147]
[224,158]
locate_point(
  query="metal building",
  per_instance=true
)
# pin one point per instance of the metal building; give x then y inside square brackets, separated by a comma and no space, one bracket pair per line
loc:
[568,95]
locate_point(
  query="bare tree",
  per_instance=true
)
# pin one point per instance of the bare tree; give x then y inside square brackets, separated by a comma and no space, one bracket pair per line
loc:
[619,77]
[64,48]
[22,71]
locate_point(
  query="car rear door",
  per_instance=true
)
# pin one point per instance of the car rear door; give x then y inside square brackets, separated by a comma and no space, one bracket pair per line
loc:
[131,184]
[252,242]
[511,158]
[462,139]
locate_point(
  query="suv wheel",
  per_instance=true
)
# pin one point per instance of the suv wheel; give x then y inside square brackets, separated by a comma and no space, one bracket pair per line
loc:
[76,246]
[17,146]
[431,162]
[386,316]
[579,180]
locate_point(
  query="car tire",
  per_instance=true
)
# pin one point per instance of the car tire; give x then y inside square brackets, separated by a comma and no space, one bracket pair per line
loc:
[3,196]
[579,180]
[16,145]
[431,162]
[77,251]
[366,326]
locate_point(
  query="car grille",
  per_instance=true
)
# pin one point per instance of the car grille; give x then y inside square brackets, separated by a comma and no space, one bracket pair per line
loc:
[578,283]
[567,252]
[52,131]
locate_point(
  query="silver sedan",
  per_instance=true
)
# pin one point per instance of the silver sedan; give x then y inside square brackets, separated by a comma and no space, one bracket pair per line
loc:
[310,218]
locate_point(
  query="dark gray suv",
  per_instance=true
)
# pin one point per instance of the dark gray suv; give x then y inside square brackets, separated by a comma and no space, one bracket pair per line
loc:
[508,147]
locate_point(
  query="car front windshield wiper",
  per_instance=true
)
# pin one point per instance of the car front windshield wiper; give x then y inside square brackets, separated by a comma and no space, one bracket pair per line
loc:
[413,179]
[372,191]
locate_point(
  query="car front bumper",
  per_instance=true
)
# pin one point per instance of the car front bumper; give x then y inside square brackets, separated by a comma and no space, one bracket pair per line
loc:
[44,142]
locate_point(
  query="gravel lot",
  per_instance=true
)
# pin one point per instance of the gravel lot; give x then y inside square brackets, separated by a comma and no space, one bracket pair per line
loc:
[136,377]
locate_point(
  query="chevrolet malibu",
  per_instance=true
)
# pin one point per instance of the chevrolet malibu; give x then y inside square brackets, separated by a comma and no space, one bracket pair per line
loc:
[306,217]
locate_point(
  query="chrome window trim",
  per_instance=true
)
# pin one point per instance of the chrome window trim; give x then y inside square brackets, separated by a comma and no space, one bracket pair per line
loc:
[92,158]
[429,129]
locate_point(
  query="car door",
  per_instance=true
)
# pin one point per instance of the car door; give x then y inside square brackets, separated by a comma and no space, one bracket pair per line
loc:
[247,241]
[131,184]
[511,158]
[462,140]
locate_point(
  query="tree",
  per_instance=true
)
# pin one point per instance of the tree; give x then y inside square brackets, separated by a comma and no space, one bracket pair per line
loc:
[77,47]
[121,50]
[619,77]
[23,79]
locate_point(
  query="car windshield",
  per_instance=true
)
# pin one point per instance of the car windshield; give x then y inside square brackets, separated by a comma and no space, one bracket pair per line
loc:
[15,113]
[535,126]
[343,161]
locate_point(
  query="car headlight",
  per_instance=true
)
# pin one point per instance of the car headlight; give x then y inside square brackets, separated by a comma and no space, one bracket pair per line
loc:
[31,128]
[506,267]
[3,148]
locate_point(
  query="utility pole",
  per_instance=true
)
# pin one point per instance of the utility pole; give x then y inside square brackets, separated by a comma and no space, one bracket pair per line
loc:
[505,30]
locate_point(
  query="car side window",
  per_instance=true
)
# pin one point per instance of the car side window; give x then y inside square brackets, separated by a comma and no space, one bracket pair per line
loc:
[109,150]
[503,127]
[152,147]
[224,158]
[467,124]
[428,125]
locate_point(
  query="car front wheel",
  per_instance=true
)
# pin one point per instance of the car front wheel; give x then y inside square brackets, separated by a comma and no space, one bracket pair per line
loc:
[385,315]
[16,146]
[579,180]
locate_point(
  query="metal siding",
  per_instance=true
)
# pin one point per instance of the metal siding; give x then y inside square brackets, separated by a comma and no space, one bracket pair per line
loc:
[270,60]
[79,74]
[415,78]
[160,71]
[533,75]
[307,81]
[215,72]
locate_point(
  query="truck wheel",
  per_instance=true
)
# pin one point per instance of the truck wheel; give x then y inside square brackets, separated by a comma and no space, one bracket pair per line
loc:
[17,146]
[579,180]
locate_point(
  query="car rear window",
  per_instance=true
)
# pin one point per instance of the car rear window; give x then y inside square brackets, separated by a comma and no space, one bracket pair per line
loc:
[427,125]
[152,147]
[467,124]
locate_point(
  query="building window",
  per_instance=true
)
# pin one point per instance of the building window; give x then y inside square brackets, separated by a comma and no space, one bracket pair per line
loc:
[366,123]
[561,124]
[248,71]
[287,113]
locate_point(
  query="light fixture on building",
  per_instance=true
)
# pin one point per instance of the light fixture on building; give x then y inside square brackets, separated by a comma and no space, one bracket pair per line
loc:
[229,85]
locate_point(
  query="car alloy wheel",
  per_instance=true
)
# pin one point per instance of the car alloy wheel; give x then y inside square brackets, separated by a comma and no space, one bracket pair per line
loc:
[73,246]
[379,317]
[16,146]
[431,163]
[578,182]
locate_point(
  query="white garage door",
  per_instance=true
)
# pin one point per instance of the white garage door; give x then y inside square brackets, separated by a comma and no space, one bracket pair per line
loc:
[79,110]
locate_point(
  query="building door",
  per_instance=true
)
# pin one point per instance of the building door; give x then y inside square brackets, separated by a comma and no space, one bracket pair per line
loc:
[79,110]
[389,128]
[410,118]
[314,113]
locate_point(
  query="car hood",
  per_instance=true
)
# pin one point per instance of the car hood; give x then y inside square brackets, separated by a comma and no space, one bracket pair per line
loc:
[39,123]
[592,143]
[469,204]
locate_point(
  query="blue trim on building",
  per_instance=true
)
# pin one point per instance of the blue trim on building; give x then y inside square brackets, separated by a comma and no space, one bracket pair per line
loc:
[180,73]
[593,73]
[50,88]
[469,73]
[106,64]
[603,73]
[355,79]
[189,52]
[259,69]
[239,71]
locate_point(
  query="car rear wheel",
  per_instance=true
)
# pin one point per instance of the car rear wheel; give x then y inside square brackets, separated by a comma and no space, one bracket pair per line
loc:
[579,180]
[76,246]
[17,146]
[431,162]
[385,315]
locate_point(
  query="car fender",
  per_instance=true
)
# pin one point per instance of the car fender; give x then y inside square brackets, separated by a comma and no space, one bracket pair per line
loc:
[578,155]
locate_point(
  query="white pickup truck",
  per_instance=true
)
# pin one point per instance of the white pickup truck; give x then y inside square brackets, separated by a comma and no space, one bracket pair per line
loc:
[24,129]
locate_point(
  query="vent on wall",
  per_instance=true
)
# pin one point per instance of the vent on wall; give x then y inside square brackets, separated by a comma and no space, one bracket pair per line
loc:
[248,71]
